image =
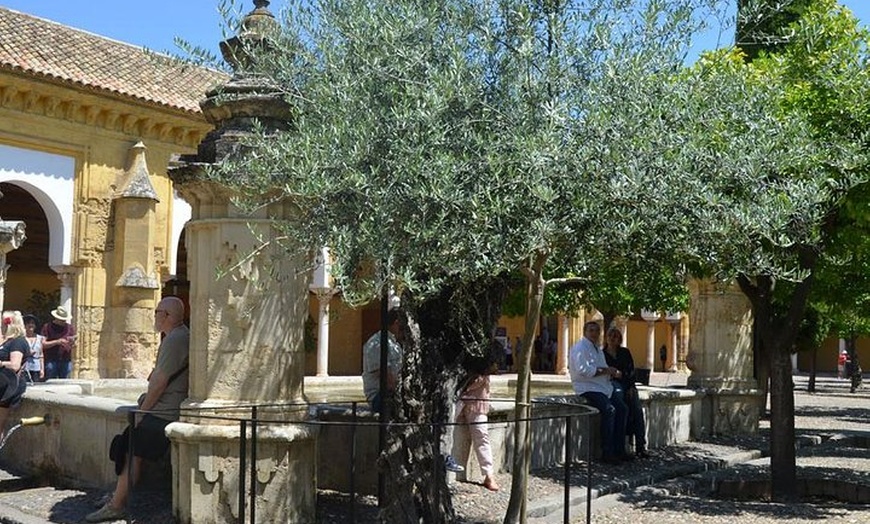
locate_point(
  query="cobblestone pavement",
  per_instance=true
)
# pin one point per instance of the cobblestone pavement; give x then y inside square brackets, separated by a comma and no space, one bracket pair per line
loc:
[667,488]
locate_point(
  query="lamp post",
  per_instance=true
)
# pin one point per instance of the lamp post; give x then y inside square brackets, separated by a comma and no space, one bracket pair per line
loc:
[321,286]
[673,318]
[650,317]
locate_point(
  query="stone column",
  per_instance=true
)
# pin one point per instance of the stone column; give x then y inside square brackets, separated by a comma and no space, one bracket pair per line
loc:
[249,303]
[81,359]
[11,237]
[674,320]
[324,296]
[672,364]
[720,358]
[620,323]
[67,276]
[564,345]
[650,317]
[321,286]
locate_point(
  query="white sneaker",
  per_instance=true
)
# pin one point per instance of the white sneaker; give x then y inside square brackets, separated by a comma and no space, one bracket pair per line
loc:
[451,465]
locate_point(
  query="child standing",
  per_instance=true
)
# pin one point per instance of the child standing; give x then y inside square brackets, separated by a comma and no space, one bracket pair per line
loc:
[33,364]
[473,410]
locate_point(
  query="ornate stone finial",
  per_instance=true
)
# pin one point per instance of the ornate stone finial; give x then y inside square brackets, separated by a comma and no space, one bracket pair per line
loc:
[137,183]
[256,29]
[11,235]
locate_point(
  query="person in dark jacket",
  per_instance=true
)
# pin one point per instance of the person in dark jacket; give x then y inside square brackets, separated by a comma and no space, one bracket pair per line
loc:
[60,336]
[13,353]
[619,357]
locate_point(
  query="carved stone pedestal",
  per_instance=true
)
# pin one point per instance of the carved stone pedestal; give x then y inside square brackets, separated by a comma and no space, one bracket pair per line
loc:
[206,473]
[720,358]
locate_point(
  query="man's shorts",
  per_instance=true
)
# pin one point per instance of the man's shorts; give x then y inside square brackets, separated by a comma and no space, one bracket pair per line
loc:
[149,442]
[149,438]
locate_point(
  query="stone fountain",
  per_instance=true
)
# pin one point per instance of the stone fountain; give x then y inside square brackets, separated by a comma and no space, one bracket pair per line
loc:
[247,326]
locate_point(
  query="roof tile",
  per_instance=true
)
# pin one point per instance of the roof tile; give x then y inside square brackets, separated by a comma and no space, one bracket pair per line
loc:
[44,48]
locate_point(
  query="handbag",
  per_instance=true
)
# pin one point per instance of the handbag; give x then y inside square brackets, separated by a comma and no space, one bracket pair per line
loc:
[9,384]
[118,450]
[120,443]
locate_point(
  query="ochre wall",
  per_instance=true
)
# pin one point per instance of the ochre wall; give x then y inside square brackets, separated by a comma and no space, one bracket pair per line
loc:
[826,358]
[20,288]
[98,132]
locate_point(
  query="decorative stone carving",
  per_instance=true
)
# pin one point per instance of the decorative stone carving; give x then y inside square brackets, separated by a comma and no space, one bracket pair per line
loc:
[249,302]
[11,238]
[137,182]
[11,235]
[135,277]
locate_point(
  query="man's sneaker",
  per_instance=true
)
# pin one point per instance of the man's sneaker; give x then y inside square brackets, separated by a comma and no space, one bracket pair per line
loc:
[105,513]
[452,465]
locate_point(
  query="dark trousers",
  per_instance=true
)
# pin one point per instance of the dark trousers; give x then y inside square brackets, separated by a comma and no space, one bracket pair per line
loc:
[614,414]
[58,368]
[636,425]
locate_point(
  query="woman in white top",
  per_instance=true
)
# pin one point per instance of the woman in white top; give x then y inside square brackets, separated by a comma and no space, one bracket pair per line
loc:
[33,365]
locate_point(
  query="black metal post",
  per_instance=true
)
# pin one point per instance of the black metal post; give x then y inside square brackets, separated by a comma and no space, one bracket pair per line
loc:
[253,464]
[243,443]
[569,450]
[353,467]
[588,469]
[131,421]
[437,463]
[382,391]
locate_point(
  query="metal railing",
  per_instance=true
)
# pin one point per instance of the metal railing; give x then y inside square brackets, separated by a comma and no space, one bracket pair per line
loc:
[247,496]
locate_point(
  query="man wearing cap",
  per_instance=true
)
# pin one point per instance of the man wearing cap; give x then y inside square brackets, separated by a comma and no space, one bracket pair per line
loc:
[57,348]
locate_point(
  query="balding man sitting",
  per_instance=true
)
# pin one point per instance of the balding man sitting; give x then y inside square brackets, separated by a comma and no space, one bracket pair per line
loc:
[167,388]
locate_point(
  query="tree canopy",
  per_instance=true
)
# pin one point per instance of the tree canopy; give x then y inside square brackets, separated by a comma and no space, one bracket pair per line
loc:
[445,141]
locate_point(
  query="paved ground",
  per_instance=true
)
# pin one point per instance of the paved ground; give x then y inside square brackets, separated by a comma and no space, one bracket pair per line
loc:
[820,419]
[668,488]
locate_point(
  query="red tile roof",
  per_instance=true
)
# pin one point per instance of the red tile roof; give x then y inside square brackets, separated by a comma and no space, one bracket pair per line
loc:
[43,48]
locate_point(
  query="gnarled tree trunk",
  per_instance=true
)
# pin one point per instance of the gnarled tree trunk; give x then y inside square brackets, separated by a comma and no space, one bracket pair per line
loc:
[437,336]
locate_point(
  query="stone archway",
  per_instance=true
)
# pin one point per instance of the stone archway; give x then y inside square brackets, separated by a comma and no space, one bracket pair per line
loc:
[30,278]
[178,284]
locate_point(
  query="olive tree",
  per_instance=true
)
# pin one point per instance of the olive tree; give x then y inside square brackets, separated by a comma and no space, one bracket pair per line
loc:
[439,144]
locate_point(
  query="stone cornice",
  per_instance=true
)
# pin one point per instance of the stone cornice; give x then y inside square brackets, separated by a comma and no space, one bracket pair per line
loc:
[124,116]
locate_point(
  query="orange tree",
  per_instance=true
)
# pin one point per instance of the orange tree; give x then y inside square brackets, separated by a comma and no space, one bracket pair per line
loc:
[777,222]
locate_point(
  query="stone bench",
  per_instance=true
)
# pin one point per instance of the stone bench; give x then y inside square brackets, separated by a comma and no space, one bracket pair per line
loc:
[73,447]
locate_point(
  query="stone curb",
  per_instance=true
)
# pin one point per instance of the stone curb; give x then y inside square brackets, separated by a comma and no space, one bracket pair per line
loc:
[548,508]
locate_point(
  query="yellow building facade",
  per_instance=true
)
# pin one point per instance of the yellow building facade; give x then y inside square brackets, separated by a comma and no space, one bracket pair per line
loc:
[87,129]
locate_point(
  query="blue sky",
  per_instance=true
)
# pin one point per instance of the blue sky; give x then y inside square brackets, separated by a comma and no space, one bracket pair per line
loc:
[155,23]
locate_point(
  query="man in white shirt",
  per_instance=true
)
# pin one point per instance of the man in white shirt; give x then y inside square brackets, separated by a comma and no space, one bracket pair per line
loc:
[591,376]
[371,374]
